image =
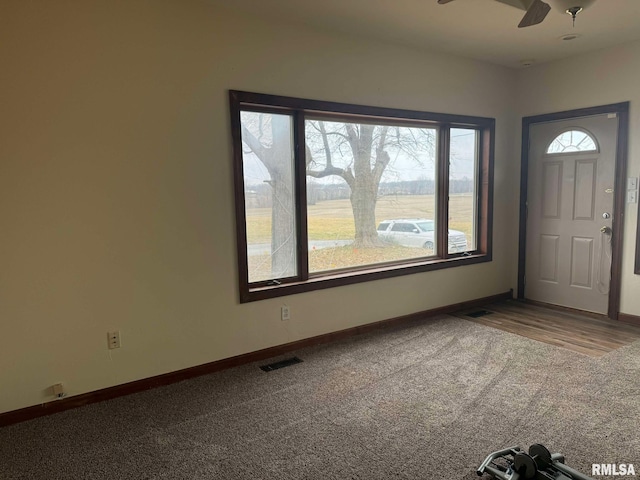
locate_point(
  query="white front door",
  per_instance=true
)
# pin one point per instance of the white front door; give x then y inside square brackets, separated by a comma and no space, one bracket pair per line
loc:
[570,201]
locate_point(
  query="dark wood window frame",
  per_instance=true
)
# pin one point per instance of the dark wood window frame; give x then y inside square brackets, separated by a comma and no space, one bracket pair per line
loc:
[299,109]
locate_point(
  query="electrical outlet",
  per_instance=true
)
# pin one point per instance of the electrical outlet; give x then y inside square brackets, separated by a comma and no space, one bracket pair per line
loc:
[285,313]
[114,340]
[632,183]
[632,196]
[58,390]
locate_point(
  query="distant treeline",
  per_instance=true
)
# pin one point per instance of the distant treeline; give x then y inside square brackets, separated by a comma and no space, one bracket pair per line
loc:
[258,196]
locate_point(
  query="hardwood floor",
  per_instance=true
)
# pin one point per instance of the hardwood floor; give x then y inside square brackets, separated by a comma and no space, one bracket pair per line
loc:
[582,332]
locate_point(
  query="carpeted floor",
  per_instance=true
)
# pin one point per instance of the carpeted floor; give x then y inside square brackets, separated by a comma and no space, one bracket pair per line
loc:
[424,401]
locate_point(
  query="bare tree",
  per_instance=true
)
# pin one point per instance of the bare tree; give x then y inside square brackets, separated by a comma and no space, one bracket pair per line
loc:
[366,152]
[359,153]
[269,138]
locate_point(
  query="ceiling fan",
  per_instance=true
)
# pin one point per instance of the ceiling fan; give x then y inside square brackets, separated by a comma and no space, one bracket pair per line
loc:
[537,10]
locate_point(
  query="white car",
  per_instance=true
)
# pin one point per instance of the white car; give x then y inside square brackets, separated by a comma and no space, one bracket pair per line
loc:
[419,232]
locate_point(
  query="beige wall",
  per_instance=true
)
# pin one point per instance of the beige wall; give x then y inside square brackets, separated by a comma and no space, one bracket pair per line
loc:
[116,198]
[599,78]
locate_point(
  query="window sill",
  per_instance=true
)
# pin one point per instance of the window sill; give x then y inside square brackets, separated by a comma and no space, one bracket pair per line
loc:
[350,277]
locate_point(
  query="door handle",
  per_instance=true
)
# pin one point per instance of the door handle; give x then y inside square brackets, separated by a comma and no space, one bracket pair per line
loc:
[606,230]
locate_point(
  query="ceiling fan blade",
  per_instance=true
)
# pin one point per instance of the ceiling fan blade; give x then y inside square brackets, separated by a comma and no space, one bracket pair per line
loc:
[535,14]
[442,2]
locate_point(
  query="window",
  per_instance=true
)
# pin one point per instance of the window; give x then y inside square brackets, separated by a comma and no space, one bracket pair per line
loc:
[463,189]
[329,194]
[268,165]
[572,141]
[402,227]
[426,226]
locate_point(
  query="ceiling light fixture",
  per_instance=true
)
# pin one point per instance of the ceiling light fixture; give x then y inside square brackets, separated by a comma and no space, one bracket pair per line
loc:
[571,7]
[537,10]
[573,11]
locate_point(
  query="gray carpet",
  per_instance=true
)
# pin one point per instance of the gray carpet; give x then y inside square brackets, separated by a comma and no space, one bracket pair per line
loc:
[424,401]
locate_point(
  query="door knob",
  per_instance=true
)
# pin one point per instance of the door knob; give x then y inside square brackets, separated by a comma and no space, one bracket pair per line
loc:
[605,230]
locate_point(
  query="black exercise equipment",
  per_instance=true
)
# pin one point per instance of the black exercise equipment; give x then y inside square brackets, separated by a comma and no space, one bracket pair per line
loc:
[539,464]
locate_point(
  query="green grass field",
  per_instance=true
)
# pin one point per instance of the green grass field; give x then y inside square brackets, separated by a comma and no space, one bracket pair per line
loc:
[333,220]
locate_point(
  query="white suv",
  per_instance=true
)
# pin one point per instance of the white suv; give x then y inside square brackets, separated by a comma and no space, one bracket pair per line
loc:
[419,232]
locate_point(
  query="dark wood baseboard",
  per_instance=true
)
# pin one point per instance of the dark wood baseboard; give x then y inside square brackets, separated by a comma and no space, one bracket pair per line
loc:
[56,406]
[627,318]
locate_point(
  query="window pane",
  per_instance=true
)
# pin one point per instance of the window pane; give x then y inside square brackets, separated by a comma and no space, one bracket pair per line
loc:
[267,159]
[463,182]
[362,179]
[572,141]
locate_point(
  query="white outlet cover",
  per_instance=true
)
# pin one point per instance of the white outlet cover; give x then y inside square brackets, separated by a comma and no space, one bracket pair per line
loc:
[632,183]
[113,339]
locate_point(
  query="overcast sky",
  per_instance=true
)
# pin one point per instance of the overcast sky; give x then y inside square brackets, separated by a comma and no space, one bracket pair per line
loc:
[401,168]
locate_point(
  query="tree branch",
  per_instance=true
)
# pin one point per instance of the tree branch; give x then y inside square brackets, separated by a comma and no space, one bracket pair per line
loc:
[382,156]
[325,142]
[326,172]
[256,147]
[353,137]
[346,174]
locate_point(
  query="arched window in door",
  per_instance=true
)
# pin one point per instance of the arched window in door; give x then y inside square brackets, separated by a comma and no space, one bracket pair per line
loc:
[572,141]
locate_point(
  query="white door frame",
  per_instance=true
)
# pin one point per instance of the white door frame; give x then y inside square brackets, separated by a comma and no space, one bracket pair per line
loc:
[622,111]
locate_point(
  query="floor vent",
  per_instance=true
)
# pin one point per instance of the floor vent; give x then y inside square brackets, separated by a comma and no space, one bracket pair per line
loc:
[280,364]
[478,313]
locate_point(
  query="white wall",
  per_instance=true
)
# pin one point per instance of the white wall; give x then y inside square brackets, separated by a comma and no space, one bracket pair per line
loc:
[599,78]
[116,194]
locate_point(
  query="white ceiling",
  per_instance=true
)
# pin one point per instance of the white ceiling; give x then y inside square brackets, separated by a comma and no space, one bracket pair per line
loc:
[486,30]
